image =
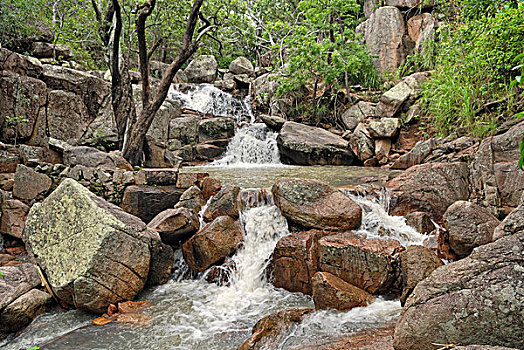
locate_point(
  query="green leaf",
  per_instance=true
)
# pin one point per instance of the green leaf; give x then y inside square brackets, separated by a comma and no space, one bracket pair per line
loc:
[36,347]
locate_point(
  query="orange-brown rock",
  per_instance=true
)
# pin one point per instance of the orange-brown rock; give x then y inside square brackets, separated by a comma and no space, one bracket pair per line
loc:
[186,180]
[295,261]
[13,217]
[101,321]
[270,331]
[212,243]
[224,203]
[369,264]
[210,187]
[175,225]
[312,204]
[133,306]
[330,292]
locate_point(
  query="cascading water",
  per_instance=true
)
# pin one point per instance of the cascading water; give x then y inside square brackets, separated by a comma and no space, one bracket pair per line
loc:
[253,143]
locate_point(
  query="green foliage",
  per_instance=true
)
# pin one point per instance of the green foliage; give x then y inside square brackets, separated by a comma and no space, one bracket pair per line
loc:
[36,347]
[473,68]
[14,122]
[2,275]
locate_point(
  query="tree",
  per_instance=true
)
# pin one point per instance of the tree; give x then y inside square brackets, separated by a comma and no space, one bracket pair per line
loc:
[132,129]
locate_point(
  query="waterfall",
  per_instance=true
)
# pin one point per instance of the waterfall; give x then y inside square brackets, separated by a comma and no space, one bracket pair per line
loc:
[253,143]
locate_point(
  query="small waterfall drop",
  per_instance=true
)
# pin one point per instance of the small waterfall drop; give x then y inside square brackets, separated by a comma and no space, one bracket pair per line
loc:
[253,144]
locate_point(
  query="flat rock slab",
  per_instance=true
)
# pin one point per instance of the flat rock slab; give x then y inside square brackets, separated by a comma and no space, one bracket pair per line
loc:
[17,281]
[331,292]
[93,253]
[146,202]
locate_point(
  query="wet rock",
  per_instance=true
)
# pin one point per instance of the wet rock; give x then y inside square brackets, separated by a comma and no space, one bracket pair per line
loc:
[208,152]
[216,128]
[241,65]
[361,143]
[306,145]
[383,34]
[17,281]
[94,158]
[429,187]
[14,89]
[20,64]
[159,177]
[416,263]
[404,92]
[511,224]
[420,221]
[369,264]
[366,339]
[481,347]
[313,204]
[192,199]
[330,292]
[161,265]
[175,225]
[47,50]
[273,122]
[212,243]
[270,331]
[29,184]
[468,226]
[384,128]
[146,202]
[295,261]
[100,257]
[210,187]
[477,300]
[357,113]
[24,309]
[13,217]
[203,69]
[221,275]
[224,203]
[416,156]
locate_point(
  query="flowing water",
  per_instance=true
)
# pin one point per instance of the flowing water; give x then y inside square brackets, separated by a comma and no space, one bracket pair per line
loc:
[194,314]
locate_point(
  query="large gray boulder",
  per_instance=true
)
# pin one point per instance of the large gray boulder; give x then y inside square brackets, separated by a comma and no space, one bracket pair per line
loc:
[383,34]
[512,224]
[361,143]
[67,116]
[93,253]
[47,50]
[216,129]
[421,29]
[203,69]
[477,300]
[30,184]
[357,113]
[306,145]
[93,158]
[401,94]
[20,64]
[410,3]
[241,65]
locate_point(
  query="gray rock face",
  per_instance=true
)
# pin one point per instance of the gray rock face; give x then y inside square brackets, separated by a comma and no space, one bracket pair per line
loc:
[383,34]
[24,309]
[512,224]
[421,28]
[361,143]
[93,158]
[306,145]
[510,183]
[313,204]
[93,253]
[25,97]
[202,69]
[404,92]
[410,3]
[20,64]
[13,217]
[384,128]
[215,129]
[468,226]
[416,263]
[416,156]
[184,129]
[146,202]
[17,281]
[477,300]
[429,187]
[67,116]
[47,50]
[357,113]
[275,123]
[29,184]
[241,65]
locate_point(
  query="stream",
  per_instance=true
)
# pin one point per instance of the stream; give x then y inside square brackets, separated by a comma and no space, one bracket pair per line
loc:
[193,314]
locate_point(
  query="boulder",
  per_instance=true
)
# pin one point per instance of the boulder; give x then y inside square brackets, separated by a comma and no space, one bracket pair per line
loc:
[369,264]
[423,4]
[210,187]
[67,116]
[224,203]
[205,151]
[403,93]
[477,300]
[331,292]
[93,158]
[385,128]
[357,113]
[421,29]
[22,108]
[468,226]
[146,202]
[384,36]
[212,244]
[17,281]
[158,177]
[306,145]
[184,129]
[271,331]
[203,69]
[175,225]
[9,161]
[29,184]
[312,204]
[101,257]
[13,217]
[20,64]
[416,263]
[47,50]
[429,187]
[510,183]
[295,261]
[511,224]
[420,221]
[192,199]
[241,65]
[416,156]
[273,122]
[361,143]
[186,180]
[23,310]
[215,129]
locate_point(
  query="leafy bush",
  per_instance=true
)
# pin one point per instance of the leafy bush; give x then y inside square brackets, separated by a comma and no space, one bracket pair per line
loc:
[474,71]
